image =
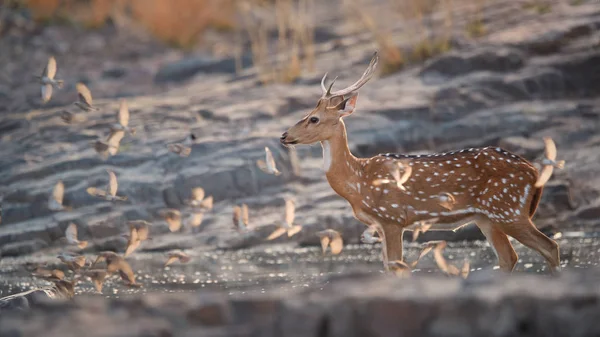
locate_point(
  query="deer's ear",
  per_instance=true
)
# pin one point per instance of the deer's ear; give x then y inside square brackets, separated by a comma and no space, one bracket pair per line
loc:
[346,107]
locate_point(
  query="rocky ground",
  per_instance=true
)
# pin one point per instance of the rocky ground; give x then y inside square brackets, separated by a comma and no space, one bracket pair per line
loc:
[532,75]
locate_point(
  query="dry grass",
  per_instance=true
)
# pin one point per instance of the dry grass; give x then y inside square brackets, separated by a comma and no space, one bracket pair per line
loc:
[294,48]
[539,6]
[177,22]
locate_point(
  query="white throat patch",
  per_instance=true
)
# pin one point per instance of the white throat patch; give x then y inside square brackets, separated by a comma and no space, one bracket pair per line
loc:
[326,155]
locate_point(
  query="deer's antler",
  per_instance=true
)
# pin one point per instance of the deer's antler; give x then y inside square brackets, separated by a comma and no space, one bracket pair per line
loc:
[366,76]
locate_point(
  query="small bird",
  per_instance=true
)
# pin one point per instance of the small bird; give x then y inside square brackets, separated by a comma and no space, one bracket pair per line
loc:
[399,179]
[172,217]
[288,224]
[368,236]
[97,276]
[447,201]
[180,149]
[110,194]
[71,117]
[71,235]
[123,119]
[138,231]
[331,238]
[268,165]
[240,217]
[48,274]
[84,101]
[447,268]
[427,247]
[73,262]
[197,200]
[422,227]
[177,255]
[400,268]
[47,80]
[116,263]
[549,163]
[55,202]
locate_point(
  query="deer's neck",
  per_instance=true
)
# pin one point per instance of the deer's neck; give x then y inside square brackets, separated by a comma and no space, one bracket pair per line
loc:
[342,169]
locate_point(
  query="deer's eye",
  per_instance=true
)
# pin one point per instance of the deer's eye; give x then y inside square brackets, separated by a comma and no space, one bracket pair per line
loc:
[314,120]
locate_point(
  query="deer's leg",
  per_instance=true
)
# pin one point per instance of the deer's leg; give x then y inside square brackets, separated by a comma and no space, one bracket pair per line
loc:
[507,257]
[526,233]
[393,242]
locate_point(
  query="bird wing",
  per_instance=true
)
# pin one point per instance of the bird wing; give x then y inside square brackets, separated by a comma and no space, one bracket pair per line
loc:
[125,271]
[396,172]
[197,193]
[290,211]
[416,233]
[245,218]
[171,259]
[195,219]
[96,192]
[46,92]
[207,203]
[132,244]
[84,93]
[439,257]
[79,260]
[51,68]
[550,148]
[143,232]
[123,114]
[269,158]
[113,185]
[325,243]
[294,230]
[71,233]
[337,243]
[426,225]
[545,175]
[114,139]
[58,192]
[277,233]
[406,174]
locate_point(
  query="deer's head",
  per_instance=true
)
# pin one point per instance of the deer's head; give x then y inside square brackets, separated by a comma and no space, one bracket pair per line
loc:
[320,124]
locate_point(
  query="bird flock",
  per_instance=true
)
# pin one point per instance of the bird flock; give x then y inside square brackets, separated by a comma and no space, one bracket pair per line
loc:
[199,204]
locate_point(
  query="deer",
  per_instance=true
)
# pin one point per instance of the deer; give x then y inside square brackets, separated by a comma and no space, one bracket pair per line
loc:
[491,187]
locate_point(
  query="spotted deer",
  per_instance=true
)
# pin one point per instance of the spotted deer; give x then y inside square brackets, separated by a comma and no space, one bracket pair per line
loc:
[490,186]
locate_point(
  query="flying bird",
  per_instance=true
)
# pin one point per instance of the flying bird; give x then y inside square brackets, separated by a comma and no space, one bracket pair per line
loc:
[47,80]
[73,262]
[288,224]
[447,201]
[240,217]
[123,119]
[172,217]
[268,165]
[399,179]
[549,163]
[423,226]
[177,256]
[368,236]
[48,274]
[97,276]
[110,194]
[71,117]
[180,149]
[332,239]
[55,202]
[71,235]
[84,98]
[116,263]
[194,220]
[138,231]
[197,200]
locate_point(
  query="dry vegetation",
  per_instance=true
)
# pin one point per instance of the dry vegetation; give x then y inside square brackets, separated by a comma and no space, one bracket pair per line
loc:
[177,22]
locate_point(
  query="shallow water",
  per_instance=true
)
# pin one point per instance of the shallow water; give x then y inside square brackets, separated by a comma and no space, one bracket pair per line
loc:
[280,267]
